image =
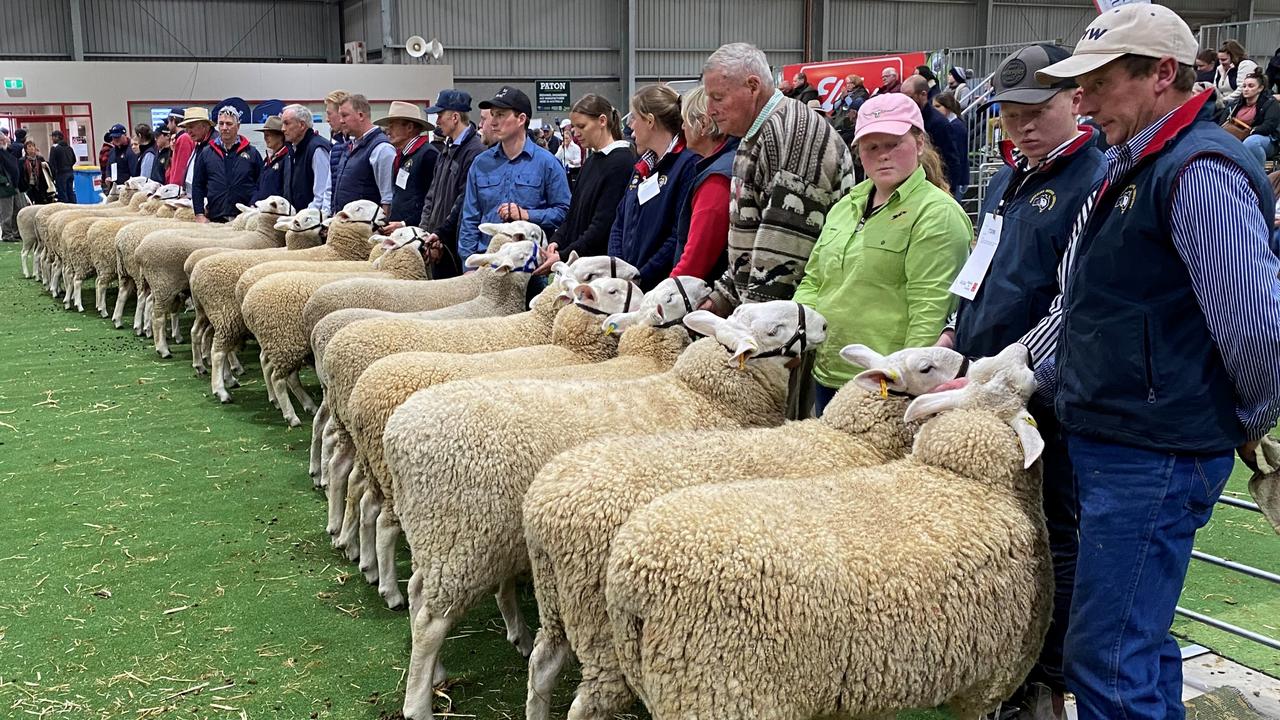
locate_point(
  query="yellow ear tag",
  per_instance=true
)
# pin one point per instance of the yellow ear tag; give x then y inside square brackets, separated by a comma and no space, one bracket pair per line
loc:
[884,388]
[610,329]
[742,362]
[1031,421]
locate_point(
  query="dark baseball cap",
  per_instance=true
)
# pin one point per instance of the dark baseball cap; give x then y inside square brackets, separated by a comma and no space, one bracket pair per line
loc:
[1015,80]
[451,99]
[509,98]
[161,129]
[117,130]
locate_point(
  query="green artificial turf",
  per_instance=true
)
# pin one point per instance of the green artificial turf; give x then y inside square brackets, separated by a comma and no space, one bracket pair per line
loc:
[165,556]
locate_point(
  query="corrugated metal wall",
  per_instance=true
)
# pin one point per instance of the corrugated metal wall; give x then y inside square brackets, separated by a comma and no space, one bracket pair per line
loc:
[517,40]
[861,27]
[294,30]
[674,37]
[36,30]
[1013,22]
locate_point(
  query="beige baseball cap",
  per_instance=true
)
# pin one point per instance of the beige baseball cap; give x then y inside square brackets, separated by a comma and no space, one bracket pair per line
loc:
[1140,29]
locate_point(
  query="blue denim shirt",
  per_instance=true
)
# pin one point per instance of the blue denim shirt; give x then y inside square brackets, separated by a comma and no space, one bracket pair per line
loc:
[534,180]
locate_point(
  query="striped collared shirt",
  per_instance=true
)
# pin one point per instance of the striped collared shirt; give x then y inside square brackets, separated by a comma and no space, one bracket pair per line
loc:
[1223,240]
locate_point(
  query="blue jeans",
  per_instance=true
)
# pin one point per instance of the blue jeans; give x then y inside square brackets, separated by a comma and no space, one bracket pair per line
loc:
[1139,513]
[1258,146]
[66,188]
[821,396]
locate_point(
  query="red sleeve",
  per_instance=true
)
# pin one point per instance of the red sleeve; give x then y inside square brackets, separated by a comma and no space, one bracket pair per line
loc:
[182,148]
[708,229]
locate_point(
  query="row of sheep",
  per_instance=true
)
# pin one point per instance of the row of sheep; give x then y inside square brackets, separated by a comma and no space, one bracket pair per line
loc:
[687,546]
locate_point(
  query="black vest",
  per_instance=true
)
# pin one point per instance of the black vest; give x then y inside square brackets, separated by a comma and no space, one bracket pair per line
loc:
[406,203]
[160,168]
[355,179]
[1136,362]
[298,173]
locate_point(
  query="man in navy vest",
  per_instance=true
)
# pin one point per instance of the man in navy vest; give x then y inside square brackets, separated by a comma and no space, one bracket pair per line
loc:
[226,171]
[1166,345]
[1051,166]
[120,158]
[415,161]
[306,167]
[364,171]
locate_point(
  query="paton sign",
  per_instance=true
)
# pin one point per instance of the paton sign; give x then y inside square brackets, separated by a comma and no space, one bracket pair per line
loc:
[552,95]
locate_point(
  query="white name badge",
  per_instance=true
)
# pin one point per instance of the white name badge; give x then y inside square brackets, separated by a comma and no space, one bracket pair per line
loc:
[649,189]
[402,179]
[113,172]
[975,268]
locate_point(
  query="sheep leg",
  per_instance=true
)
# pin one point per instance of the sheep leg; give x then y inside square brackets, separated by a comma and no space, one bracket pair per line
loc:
[280,382]
[318,426]
[218,373]
[294,384]
[331,439]
[265,363]
[370,510]
[140,310]
[517,631]
[100,298]
[77,293]
[176,326]
[349,537]
[386,534]
[122,297]
[160,321]
[341,466]
[67,286]
[429,632]
[415,595]
[22,258]
[544,668]
[236,367]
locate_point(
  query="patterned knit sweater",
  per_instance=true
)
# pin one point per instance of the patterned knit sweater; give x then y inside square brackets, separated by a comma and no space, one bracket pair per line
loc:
[785,179]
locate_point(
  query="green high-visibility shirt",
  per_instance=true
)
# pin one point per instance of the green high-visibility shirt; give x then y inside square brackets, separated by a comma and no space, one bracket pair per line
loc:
[884,282]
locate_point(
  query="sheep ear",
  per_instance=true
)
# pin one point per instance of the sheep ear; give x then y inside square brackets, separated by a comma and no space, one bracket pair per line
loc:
[877,379]
[932,404]
[243,208]
[573,256]
[863,356]
[703,322]
[1029,436]
[477,260]
[490,229]
[619,322]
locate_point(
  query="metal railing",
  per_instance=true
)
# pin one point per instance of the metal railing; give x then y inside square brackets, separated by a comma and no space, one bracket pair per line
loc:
[1260,38]
[1241,568]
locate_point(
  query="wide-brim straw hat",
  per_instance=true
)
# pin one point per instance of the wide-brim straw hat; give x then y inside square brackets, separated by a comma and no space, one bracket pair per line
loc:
[404,111]
[193,115]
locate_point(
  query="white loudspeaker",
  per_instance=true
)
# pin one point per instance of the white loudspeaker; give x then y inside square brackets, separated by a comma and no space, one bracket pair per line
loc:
[416,46]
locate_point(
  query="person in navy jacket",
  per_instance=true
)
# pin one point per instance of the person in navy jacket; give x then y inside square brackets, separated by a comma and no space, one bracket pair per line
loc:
[271,181]
[415,161]
[644,230]
[226,171]
[1051,167]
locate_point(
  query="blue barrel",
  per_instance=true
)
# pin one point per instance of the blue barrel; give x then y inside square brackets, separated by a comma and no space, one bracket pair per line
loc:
[88,184]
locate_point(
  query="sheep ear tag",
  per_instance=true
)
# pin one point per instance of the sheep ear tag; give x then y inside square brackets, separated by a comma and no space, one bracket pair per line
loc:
[1024,425]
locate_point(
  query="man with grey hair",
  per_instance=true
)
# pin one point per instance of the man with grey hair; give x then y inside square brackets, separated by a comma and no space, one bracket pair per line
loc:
[790,168]
[306,167]
[365,171]
[226,171]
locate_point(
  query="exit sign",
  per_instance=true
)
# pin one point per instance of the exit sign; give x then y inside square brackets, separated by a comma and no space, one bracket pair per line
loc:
[13,84]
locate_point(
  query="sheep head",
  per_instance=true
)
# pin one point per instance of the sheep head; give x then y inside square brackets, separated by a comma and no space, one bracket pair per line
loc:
[147,187]
[275,205]
[179,203]
[360,211]
[167,192]
[607,296]
[405,236]
[777,329]
[514,231]
[665,305]
[1001,385]
[912,371]
[307,219]
[514,256]
[585,269]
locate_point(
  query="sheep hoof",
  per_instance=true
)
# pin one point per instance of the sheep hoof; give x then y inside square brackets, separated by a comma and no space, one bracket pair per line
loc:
[164,355]
[119,325]
[370,574]
[395,600]
[294,422]
[353,552]
[200,372]
[224,397]
[232,382]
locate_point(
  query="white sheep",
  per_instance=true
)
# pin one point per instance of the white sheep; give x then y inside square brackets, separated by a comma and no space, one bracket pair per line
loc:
[459,501]
[922,582]
[162,254]
[576,503]
[377,333]
[272,311]
[578,337]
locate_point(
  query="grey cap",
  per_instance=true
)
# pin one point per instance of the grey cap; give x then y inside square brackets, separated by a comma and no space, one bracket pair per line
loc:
[1015,80]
